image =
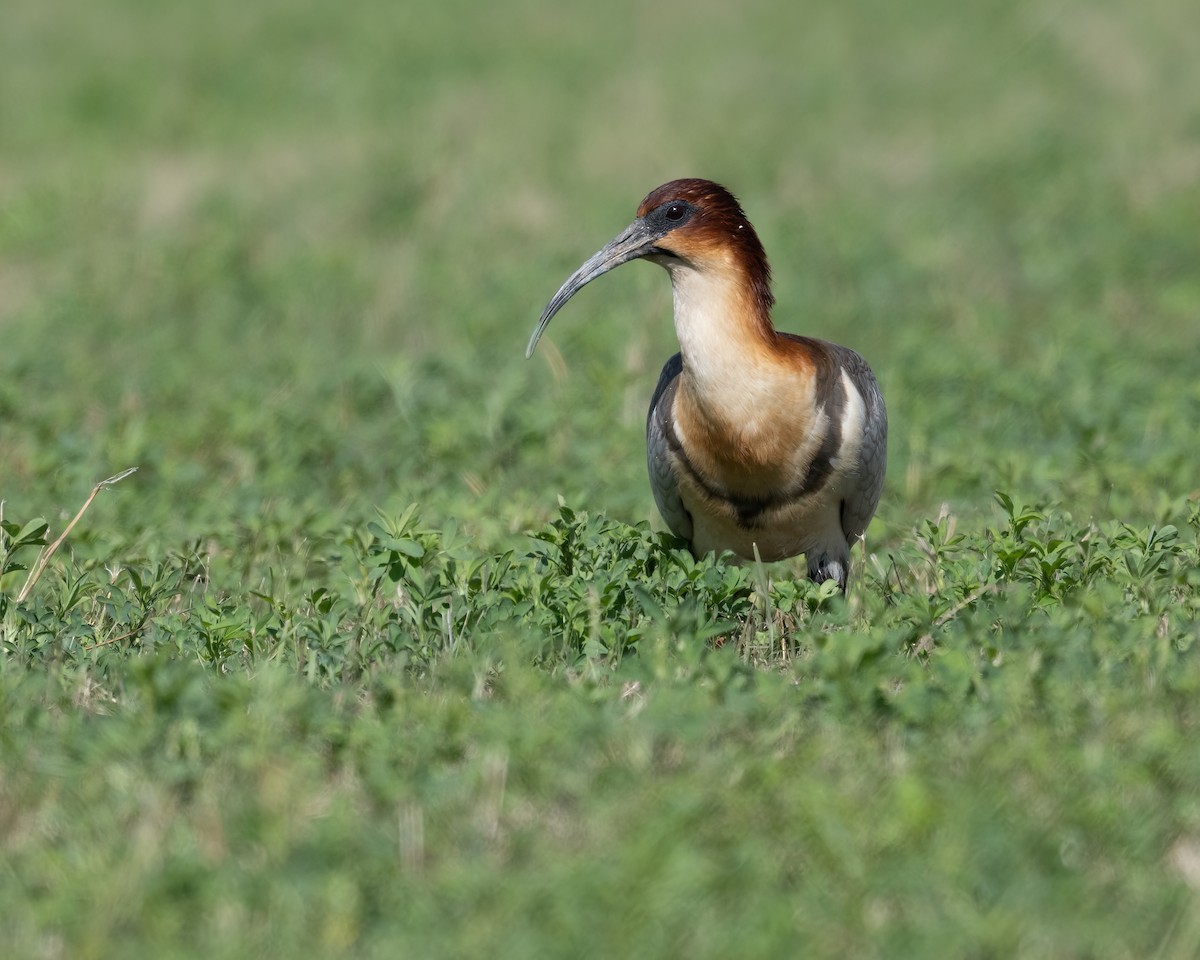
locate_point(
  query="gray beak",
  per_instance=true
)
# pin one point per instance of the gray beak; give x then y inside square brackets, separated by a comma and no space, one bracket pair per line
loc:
[637,241]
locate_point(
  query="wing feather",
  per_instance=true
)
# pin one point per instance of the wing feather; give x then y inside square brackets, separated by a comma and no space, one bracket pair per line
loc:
[663,482]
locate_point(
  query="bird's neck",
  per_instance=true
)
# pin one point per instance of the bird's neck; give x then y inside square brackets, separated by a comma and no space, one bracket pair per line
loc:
[742,397]
[729,346]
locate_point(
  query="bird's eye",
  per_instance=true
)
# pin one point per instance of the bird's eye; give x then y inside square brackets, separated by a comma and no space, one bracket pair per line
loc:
[675,212]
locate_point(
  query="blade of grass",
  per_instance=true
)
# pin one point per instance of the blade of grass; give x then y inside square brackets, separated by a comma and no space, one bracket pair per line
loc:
[48,552]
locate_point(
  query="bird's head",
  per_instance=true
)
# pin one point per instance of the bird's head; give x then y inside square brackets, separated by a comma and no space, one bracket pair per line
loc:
[683,225]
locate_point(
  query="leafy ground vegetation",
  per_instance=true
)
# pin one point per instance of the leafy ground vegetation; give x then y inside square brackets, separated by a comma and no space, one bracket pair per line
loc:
[379,652]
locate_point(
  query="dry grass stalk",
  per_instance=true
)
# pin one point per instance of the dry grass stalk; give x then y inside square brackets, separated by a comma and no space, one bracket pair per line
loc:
[36,571]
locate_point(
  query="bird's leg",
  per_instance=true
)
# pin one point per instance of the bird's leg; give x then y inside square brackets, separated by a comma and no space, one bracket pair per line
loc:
[829,568]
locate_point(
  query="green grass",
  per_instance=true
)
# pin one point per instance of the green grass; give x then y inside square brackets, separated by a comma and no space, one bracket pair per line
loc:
[284,257]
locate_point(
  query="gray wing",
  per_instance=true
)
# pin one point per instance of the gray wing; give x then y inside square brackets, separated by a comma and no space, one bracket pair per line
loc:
[866,485]
[859,505]
[658,457]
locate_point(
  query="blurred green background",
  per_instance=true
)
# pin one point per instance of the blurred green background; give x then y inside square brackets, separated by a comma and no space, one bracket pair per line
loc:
[284,256]
[276,252]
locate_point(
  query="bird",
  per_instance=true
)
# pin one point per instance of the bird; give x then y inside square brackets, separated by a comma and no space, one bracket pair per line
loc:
[759,443]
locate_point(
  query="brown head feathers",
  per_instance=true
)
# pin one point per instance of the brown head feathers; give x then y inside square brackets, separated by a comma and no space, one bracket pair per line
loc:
[714,220]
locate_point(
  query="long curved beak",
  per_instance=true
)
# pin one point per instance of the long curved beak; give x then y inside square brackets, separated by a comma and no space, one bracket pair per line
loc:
[636,241]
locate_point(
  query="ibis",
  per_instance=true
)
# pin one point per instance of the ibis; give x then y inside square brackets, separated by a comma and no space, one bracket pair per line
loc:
[761,443]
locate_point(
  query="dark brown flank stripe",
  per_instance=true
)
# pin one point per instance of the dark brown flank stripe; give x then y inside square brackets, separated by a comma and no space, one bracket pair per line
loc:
[832,400]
